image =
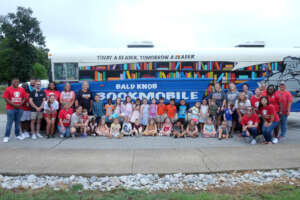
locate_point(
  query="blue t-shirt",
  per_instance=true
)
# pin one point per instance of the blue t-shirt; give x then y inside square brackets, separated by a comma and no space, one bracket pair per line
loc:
[182,111]
[228,116]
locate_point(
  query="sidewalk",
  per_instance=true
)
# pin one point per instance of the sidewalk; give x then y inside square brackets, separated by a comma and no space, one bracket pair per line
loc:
[162,155]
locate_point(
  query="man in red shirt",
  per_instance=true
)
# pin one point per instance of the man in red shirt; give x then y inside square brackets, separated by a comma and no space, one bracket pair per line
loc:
[250,123]
[285,109]
[14,97]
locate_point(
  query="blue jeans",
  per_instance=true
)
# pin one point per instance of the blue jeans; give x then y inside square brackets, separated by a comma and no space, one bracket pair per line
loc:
[13,116]
[267,131]
[283,125]
[65,133]
[252,131]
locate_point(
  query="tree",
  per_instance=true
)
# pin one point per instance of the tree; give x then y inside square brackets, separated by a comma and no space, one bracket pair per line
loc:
[39,71]
[22,44]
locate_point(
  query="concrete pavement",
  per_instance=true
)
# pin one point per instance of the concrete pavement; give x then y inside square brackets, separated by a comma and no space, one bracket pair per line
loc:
[102,156]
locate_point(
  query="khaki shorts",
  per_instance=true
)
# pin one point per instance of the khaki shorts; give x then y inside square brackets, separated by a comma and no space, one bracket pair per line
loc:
[36,115]
[161,118]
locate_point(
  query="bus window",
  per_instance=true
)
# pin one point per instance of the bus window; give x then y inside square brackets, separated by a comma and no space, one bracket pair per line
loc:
[65,71]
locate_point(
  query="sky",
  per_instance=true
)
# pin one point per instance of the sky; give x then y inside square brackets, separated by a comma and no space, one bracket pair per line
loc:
[169,24]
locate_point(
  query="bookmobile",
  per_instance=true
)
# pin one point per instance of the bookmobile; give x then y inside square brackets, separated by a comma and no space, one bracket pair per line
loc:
[180,74]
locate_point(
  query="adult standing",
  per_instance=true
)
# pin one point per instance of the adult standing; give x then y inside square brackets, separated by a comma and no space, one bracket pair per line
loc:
[31,85]
[285,109]
[231,97]
[37,99]
[255,99]
[14,97]
[270,119]
[67,96]
[52,90]
[241,105]
[274,100]
[247,92]
[219,96]
[84,97]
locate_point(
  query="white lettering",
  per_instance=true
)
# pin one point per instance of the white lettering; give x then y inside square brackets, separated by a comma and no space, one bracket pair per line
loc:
[160,94]
[111,95]
[194,95]
[184,96]
[122,95]
[170,95]
[101,95]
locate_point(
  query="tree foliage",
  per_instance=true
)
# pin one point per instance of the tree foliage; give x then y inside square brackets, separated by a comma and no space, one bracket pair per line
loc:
[22,44]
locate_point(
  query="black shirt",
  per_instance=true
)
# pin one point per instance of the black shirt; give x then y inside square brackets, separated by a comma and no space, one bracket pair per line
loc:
[84,99]
[37,98]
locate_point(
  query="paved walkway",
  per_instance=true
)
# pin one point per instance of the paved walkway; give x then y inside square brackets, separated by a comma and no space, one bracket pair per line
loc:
[103,156]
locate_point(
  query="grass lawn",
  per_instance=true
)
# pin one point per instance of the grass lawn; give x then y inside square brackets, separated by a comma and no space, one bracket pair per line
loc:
[2,101]
[269,192]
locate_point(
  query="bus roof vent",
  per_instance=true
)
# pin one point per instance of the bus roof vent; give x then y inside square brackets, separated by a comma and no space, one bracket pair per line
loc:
[142,44]
[260,44]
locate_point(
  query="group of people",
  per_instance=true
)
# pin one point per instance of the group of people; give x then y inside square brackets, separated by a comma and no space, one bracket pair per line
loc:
[219,115]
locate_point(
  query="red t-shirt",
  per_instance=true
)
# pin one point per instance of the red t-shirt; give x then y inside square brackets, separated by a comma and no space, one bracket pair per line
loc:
[56,93]
[250,120]
[161,109]
[26,106]
[286,97]
[15,95]
[264,93]
[65,116]
[254,102]
[275,100]
[267,111]
[171,110]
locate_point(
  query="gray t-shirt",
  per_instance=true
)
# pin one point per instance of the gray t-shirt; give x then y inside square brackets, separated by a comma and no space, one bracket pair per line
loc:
[248,94]
[231,97]
[75,119]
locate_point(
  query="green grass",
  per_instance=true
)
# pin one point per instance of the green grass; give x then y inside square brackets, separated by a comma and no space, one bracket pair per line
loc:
[269,192]
[2,101]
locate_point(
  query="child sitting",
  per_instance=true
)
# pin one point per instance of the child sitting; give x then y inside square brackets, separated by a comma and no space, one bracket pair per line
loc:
[93,126]
[178,131]
[166,128]
[102,129]
[151,129]
[223,131]
[126,127]
[115,129]
[137,128]
[209,130]
[192,129]
[85,122]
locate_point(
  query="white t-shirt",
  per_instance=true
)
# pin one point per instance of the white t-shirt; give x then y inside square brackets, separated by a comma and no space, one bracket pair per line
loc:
[242,106]
[52,108]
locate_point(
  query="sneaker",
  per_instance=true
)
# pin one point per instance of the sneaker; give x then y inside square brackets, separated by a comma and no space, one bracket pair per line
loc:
[39,135]
[94,134]
[20,137]
[5,139]
[253,141]
[274,140]
[33,136]
[26,135]
[84,135]
[61,136]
